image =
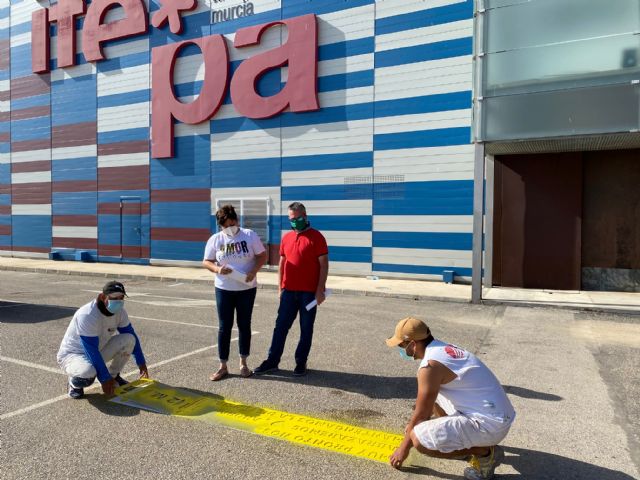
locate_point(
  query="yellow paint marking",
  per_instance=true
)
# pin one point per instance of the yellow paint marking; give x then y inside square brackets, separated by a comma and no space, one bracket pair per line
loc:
[314,432]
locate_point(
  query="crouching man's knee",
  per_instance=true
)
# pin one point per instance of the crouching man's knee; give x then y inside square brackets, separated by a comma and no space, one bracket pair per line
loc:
[421,448]
[126,342]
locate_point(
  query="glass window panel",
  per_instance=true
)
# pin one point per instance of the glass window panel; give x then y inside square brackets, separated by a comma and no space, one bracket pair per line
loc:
[543,22]
[587,62]
[584,111]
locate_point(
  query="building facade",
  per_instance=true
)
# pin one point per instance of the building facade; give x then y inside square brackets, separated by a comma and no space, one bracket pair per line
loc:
[557,115]
[384,164]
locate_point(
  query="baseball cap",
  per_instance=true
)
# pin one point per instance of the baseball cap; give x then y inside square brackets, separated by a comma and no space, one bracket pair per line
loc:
[113,287]
[408,329]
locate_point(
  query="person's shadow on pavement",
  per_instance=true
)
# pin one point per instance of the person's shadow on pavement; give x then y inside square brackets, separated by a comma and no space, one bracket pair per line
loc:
[531,464]
[372,386]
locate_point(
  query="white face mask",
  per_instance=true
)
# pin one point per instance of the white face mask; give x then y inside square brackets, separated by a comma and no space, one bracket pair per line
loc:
[230,231]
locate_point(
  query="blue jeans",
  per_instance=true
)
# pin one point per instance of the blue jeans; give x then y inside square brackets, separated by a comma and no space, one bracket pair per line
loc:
[229,302]
[291,304]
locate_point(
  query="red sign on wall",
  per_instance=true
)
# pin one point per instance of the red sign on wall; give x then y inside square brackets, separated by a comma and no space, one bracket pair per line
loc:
[299,53]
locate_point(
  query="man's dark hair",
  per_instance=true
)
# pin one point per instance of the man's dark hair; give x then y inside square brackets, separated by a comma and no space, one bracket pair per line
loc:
[298,207]
[224,213]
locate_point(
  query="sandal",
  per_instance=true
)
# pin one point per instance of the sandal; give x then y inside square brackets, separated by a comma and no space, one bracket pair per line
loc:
[245,372]
[219,375]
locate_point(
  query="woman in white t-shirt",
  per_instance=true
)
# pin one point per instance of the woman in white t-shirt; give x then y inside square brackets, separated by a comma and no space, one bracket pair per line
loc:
[235,255]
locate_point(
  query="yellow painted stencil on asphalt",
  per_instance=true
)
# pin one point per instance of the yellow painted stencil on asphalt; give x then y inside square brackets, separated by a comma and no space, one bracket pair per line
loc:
[290,427]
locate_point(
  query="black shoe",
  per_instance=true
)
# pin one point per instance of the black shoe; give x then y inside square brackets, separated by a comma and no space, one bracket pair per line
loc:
[121,381]
[265,367]
[300,370]
[75,393]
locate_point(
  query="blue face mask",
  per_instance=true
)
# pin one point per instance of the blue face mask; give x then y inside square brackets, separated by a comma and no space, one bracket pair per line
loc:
[404,355]
[114,306]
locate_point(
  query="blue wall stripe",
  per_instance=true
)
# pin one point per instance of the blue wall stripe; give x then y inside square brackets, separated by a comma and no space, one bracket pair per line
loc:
[342,81]
[451,197]
[426,240]
[425,138]
[125,135]
[74,203]
[189,168]
[342,113]
[30,129]
[263,172]
[119,99]
[35,101]
[21,61]
[74,169]
[31,230]
[424,104]
[180,214]
[350,254]
[177,250]
[327,162]
[422,53]
[425,18]
[348,48]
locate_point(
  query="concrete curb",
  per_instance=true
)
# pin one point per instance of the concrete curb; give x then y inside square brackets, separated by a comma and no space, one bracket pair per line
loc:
[564,306]
[261,286]
[584,307]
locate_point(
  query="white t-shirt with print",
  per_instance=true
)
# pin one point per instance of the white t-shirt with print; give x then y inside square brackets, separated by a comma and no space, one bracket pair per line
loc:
[237,252]
[475,390]
[89,321]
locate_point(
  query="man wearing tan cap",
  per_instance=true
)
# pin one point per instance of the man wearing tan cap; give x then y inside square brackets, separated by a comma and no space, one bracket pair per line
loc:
[461,408]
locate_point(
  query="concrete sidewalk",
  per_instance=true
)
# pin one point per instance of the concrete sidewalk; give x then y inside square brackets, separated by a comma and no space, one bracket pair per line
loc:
[618,302]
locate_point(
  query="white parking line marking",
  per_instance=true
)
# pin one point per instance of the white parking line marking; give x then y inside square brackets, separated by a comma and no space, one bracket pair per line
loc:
[173,321]
[32,365]
[97,385]
[176,284]
[183,323]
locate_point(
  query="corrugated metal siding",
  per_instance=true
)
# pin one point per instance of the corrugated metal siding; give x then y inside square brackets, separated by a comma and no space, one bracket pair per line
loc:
[384,167]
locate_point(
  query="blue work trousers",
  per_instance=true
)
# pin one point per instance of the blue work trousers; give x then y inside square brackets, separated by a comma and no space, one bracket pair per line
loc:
[292,304]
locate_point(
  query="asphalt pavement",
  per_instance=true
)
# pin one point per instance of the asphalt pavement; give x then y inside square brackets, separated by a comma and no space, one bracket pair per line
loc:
[571,374]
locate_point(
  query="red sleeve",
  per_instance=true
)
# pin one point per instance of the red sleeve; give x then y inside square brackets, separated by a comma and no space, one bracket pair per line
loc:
[282,242]
[320,244]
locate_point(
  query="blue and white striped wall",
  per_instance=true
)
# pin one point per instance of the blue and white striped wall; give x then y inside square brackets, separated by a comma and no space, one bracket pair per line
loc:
[385,167]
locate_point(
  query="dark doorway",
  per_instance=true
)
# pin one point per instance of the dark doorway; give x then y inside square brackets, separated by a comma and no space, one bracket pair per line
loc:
[611,221]
[538,221]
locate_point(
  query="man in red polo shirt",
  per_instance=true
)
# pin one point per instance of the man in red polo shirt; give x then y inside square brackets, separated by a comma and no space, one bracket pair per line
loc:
[304,264]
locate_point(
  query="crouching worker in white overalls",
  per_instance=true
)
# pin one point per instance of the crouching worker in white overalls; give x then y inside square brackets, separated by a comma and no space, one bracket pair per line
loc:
[92,340]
